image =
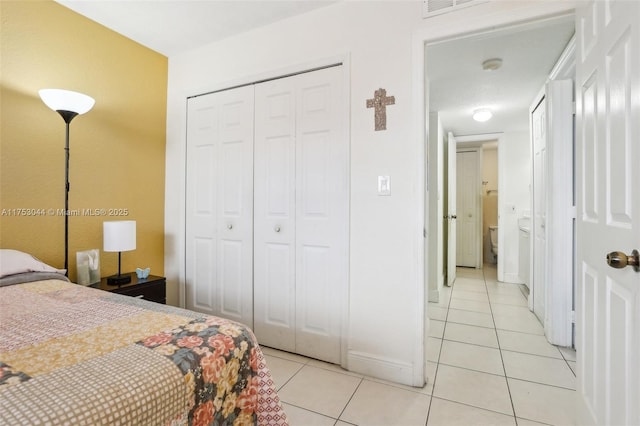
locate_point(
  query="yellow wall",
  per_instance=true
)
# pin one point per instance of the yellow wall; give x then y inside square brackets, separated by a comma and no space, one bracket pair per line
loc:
[117,149]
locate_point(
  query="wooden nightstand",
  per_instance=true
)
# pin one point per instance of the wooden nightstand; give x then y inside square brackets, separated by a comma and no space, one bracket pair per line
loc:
[152,288]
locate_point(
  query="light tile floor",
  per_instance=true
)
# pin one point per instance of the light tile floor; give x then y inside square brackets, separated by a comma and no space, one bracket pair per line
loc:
[488,364]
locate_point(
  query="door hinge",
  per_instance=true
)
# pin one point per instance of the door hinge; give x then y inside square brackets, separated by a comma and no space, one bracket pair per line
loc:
[573,317]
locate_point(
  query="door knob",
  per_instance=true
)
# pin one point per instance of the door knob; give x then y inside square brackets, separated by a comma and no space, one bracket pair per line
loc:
[277,229]
[229,226]
[617,259]
[454,217]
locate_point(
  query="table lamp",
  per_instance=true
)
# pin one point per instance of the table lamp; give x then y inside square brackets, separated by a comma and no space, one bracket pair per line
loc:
[119,235]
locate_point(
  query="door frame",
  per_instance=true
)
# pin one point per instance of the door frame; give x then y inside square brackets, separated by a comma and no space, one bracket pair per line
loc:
[480,140]
[558,279]
[485,17]
[476,143]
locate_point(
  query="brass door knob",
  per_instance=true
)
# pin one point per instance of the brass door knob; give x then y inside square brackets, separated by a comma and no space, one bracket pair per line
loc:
[618,260]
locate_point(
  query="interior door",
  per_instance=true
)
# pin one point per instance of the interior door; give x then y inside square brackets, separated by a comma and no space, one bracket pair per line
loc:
[468,207]
[219,204]
[539,146]
[451,208]
[608,217]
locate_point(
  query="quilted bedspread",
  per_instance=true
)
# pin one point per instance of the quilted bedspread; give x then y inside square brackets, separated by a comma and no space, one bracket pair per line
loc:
[76,355]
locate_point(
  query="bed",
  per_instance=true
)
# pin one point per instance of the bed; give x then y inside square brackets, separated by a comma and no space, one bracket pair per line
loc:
[71,354]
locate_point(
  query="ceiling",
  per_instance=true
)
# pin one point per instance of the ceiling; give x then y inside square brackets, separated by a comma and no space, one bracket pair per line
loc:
[171,27]
[458,84]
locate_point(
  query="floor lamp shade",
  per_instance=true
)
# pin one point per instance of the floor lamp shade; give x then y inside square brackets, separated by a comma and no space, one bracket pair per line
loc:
[119,235]
[66,100]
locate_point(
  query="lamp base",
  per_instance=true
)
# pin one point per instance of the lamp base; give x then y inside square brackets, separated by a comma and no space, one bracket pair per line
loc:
[119,279]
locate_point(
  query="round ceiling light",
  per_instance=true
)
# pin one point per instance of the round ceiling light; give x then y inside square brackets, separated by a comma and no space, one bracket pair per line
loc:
[492,64]
[482,115]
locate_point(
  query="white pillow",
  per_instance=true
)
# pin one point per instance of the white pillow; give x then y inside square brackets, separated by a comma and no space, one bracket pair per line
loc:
[16,262]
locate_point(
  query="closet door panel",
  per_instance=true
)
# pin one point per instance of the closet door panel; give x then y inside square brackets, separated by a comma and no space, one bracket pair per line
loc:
[201,253]
[220,204]
[235,207]
[201,232]
[274,215]
[322,183]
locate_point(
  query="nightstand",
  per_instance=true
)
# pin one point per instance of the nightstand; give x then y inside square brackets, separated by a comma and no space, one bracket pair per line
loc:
[152,288]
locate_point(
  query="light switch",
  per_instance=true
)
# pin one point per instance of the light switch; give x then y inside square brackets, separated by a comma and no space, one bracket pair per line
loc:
[384,185]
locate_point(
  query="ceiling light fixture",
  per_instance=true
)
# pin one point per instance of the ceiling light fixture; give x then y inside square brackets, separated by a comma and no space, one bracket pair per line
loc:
[492,64]
[482,114]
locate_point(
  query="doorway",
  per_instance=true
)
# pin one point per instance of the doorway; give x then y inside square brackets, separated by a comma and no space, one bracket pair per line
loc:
[501,71]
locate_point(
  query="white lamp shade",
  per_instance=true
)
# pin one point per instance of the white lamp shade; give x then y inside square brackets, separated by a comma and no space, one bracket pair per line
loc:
[119,235]
[66,100]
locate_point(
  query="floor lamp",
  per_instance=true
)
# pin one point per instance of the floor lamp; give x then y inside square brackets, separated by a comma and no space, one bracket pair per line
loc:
[68,104]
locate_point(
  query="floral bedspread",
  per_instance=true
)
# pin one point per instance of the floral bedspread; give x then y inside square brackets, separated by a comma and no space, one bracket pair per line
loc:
[76,355]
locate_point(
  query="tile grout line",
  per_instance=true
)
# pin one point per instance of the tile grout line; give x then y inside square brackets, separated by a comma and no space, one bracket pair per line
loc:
[435,375]
[474,406]
[348,402]
[506,380]
[522,291]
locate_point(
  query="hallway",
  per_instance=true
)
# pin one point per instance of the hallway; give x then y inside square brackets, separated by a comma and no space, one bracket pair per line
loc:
[488,364]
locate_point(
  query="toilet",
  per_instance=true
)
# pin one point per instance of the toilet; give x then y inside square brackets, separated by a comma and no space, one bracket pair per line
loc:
[493,238]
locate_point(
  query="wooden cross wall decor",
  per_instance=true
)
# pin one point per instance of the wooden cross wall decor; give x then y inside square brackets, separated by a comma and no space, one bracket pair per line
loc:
[379,102]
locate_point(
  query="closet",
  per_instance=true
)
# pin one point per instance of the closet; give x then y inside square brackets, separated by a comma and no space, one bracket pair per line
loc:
[267,210]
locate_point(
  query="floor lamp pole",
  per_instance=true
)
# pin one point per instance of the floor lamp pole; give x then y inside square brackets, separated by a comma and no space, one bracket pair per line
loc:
[67,116]
[66,200]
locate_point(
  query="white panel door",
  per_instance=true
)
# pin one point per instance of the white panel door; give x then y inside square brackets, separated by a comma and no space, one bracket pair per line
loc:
[539,146]
[219,207]
[468,196]
[322,183]
[608,217]
[274,214]
[451,208]
[301,214]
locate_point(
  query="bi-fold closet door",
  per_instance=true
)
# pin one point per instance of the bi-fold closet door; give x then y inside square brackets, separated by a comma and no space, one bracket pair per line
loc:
[301,214]
[267,230]
[219,204]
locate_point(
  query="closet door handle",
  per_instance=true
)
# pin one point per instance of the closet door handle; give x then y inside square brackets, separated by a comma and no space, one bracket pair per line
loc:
[229,226]
[277,229]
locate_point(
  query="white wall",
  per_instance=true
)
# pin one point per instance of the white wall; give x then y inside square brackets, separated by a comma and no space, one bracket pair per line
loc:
[514,197]
[385,324]
[382,46]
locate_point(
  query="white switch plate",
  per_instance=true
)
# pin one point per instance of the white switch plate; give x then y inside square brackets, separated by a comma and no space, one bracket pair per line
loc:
[384,185]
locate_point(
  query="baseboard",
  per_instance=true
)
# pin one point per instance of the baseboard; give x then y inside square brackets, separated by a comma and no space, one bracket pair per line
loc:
[434,296]
[512,278]
[381,368]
